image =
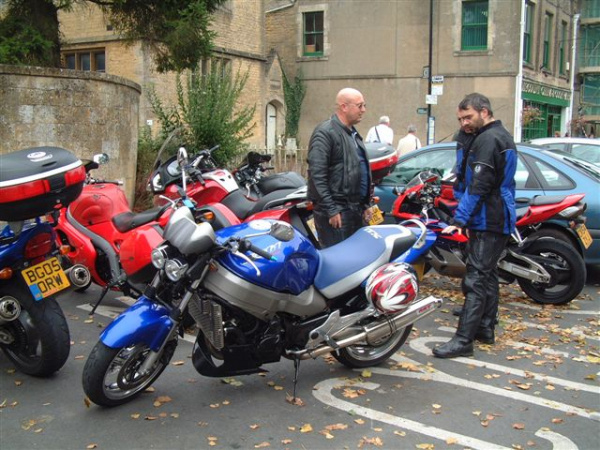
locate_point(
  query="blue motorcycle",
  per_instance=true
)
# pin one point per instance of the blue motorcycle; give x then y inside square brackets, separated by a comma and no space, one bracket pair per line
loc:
[34,333]
[258,292]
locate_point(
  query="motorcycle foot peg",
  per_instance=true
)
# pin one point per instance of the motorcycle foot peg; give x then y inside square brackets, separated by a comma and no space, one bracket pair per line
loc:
[79,275]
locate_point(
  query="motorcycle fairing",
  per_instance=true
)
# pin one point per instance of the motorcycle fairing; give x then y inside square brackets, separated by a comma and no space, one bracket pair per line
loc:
[145,321]
[346,265]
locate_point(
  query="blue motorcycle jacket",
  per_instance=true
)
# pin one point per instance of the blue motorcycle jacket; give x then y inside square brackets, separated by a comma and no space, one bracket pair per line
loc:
[485,185]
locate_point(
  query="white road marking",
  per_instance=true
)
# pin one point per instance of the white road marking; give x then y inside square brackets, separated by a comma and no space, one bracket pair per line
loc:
[588,312]
[559,442]
[420,345]
[546,328]
[322,392]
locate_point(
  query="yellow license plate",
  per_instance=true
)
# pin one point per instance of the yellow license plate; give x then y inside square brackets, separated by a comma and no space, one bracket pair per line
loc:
[584,235]
[377,216]
[45,278]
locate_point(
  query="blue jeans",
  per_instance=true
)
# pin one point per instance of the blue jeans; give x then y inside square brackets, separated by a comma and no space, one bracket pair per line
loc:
[352,220]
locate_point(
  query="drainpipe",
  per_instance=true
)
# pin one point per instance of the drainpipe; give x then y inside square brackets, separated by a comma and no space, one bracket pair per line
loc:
[569,112]
[519,79]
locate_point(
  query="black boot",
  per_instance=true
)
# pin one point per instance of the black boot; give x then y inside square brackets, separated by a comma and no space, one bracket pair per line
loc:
[485,335]
[457,346]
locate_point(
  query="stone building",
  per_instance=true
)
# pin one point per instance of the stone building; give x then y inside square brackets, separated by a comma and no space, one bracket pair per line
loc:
[520,53]
[90,43]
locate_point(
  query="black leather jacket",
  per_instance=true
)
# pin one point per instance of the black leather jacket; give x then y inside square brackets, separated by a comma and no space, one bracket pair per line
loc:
[334,168]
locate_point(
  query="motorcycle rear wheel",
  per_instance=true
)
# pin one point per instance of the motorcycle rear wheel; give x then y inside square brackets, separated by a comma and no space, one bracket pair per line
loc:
[111,377]
[566,268]
[364,355]
[41,341]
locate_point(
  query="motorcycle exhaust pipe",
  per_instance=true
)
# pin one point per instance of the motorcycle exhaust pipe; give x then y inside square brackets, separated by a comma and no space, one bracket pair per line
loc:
[79,275]
[385,326]
[10,309]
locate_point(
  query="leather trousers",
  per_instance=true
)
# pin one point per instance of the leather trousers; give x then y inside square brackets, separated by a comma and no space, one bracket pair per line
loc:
[352,220]
[480,284]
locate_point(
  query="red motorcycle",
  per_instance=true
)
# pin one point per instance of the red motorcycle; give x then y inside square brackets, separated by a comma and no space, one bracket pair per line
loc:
[109,244]
[549,270]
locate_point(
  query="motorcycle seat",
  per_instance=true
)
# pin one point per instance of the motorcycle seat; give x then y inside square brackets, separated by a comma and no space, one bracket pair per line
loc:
[242,207]
[127,221]
[346,265]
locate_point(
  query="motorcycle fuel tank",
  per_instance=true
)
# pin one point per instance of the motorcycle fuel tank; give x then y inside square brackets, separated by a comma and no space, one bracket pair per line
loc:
[282,285]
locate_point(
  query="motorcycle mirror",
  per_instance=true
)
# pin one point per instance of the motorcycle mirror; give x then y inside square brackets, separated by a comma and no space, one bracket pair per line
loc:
[100,158]
[282,231]
[182,157]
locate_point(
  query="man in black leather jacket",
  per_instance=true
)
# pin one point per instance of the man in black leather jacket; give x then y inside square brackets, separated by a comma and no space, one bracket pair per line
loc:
[339,177]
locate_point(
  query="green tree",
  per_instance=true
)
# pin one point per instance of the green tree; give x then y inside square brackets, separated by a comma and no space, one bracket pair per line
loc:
[176,30]
[208,111]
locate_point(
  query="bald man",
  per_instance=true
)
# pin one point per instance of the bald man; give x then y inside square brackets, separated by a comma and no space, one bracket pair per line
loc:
[339,183]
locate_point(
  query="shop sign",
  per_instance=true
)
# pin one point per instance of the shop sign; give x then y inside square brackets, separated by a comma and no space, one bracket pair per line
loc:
[530,87]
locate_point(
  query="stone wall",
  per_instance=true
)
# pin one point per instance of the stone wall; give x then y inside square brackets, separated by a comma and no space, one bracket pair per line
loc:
[84,112]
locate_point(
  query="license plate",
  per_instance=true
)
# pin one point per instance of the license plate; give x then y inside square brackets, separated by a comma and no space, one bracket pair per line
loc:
[584,235]
[377,216]
[45,278]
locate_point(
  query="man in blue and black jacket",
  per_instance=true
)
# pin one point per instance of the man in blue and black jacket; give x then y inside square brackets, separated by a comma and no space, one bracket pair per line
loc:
[485,189]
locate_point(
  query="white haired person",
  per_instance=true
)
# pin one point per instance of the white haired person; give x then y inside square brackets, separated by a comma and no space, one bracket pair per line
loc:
[409,142]
[382,132]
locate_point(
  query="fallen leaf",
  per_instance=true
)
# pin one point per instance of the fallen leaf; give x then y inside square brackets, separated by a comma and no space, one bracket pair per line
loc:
[336,426]
[90,446]
[150,389]
[296,401]
[254,426]
[278,388]
[518,426]
[557,420]
[178,363]
[87,402]
[286,441]
[436,406]
[451,441]
[327,434]
[150,418]
[18,382]
[231,381]
[359,421]
[306,428]
[262,445]
[366,373]
[135,416]
[426,446]
[400,433]
[88,321]
[175,415]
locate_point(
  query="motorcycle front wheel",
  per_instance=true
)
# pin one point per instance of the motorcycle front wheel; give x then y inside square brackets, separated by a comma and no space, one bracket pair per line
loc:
[363,355]
[565,266]
[38,340]
[112,376]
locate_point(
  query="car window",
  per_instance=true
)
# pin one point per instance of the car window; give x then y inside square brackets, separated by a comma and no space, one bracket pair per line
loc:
[552,178]
[440,161]
[556,145]
[523,178]
[587,152]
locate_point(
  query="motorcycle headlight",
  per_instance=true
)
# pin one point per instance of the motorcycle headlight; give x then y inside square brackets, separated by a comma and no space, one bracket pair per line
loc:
[156,183]
[175,269]
[159,257]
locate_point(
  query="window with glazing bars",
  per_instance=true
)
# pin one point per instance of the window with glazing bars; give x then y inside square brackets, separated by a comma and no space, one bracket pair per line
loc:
[589,50]
[474,25]
[547,40]
[561,48]
[313,33]
[590,9]
[528,32]
[89,60]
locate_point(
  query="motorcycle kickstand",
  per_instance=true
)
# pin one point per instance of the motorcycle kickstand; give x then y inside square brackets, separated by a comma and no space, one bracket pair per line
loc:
[104,291]
[296,372]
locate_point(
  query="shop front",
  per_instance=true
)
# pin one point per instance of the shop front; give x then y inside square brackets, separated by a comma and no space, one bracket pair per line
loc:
[544,110]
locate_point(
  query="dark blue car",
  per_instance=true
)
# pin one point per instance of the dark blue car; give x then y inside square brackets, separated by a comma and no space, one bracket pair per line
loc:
[539,172]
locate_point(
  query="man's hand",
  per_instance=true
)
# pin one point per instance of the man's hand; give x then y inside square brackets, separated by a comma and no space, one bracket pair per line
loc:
[336,221]
[452,229]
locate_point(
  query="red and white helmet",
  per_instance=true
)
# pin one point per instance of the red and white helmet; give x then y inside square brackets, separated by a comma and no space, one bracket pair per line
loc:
[392,287]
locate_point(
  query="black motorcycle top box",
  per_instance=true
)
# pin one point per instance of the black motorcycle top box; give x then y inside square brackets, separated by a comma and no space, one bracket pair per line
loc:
[37,180]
